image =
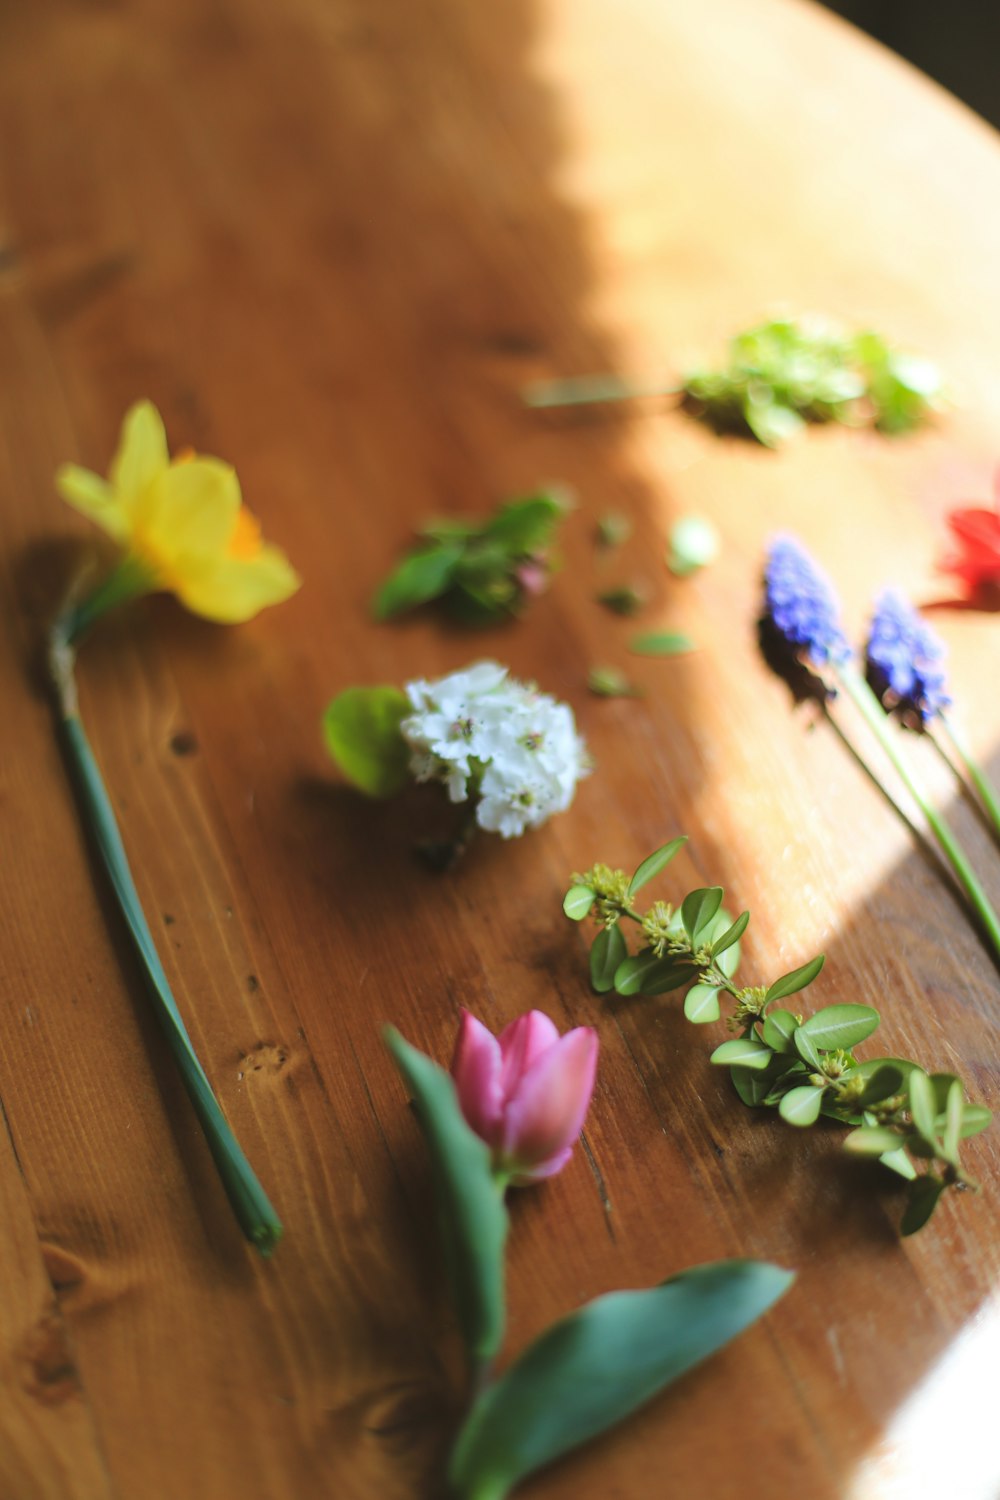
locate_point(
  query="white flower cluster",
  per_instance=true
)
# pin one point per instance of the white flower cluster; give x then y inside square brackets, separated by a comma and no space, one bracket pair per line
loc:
[485,735]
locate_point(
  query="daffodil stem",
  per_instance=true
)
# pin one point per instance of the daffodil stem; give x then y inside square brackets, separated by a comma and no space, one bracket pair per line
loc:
[976,774]
[587,390]
[865,700]
[249,1202]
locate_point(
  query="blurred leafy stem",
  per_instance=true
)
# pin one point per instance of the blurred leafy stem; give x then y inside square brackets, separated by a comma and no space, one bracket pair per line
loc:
[803,1067]
[479,570]
[781,374]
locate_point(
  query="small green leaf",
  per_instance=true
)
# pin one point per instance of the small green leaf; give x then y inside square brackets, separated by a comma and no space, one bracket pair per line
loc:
[654,863]
[646,974]
[752,1085]
[790,984]
[801,1106]
[613,529]
[471,1213]
[701,1004]
[423,575]
[698,909]
[897,1161]
[361,729]
[841,1026]
[577,902]
[779,1030]
[521,527]
[592,1369]
[742,1052]
[922,1108]
[731,935]
[881,1084]
[873,1140]
[975,1117]
[661,643]
[954,1109]
[807,1050]
[624,599]
[923,1200]
[606,955]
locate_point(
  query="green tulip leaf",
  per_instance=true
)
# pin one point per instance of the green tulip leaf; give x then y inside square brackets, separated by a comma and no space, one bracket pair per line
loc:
[471,1213]
[361,729]
[590,1370]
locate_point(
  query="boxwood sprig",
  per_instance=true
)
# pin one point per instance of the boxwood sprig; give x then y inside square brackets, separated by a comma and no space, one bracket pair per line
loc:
[911,1120]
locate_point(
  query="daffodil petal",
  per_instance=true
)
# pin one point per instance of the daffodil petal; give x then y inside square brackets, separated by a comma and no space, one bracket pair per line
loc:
[231,590]
[142,452]
[94,498]
[188,514]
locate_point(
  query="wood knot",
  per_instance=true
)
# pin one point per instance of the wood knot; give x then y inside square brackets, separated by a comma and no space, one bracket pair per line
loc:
[49,1373]
[266,1060]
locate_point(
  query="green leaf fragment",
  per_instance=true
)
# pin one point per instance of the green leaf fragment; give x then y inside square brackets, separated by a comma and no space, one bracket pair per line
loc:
[590,1370]
[608,951]
[362,732]
[625,599]
[654,863]
[661,643]
[578,901]
[646,974]
[841,1026]
[611,682]
[881,1084]
[797,979]
[731,935]
[872,1140]
[975,1117]
[807,1049]
[954,1109]
[613,529]
[922,1107]
[471,1213]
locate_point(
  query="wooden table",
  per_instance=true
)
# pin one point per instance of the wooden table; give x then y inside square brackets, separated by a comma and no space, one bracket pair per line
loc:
[332,240]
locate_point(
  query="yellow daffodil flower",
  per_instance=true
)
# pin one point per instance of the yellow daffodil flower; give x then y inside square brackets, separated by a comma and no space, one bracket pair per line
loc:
[182,523]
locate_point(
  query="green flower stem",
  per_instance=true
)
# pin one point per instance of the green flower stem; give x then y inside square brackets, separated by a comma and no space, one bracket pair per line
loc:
[130,580]
[978,777]
[586,390]
[249,1202]
[862,696]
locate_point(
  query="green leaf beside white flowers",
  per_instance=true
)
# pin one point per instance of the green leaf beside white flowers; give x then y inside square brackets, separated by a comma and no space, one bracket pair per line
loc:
[361,729]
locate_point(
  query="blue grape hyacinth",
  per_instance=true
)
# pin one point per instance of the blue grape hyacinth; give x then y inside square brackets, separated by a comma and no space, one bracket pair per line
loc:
[903,663]
[800,626]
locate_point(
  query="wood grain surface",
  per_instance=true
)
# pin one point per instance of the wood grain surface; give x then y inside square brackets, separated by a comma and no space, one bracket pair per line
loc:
[332,239]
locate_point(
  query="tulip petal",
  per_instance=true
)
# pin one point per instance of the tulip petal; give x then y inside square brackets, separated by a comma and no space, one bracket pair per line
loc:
[522,1044]
[142,452]
[475,1068]
[546,1115]
[94,498]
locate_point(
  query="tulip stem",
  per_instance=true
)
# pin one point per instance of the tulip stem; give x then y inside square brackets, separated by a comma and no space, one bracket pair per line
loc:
[249,1202]
[588,390]
[865,700]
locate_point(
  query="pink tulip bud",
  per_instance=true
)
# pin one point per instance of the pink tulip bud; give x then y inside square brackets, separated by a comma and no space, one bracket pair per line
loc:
[525,1092]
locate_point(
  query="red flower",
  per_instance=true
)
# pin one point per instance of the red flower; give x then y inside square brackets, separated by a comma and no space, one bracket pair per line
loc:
[977,559]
